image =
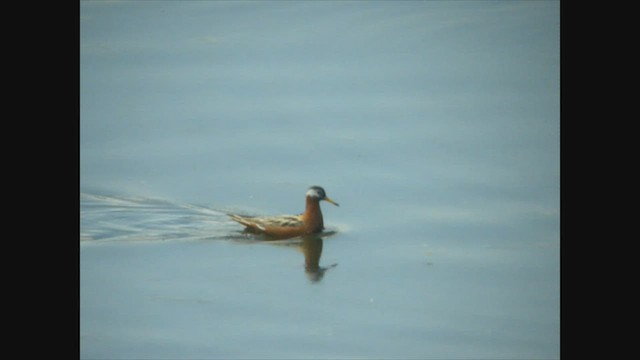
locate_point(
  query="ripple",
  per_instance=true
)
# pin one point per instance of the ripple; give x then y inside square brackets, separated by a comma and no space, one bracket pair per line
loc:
[119,218]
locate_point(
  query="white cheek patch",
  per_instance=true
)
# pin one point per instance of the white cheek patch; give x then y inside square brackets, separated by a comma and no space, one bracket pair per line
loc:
[313,193]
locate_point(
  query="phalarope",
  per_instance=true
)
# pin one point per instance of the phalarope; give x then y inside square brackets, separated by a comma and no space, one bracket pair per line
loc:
[287,226]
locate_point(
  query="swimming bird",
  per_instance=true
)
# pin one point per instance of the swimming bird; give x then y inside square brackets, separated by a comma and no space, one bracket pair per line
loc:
[288,226]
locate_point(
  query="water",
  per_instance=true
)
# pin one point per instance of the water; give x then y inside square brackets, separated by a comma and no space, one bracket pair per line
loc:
[435,125]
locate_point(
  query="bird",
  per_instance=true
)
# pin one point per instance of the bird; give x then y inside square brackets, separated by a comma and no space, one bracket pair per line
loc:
[288,226]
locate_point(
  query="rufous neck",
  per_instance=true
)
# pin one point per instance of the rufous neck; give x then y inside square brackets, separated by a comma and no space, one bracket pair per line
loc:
[313,215]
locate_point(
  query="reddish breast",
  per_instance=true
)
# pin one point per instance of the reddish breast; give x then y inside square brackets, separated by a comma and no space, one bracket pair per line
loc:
[312,217]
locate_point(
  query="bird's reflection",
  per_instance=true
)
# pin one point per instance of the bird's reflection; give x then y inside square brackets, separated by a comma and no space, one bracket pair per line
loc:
[311,247]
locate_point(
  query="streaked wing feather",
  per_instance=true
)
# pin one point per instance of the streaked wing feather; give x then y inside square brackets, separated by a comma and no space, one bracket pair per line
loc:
[263,222]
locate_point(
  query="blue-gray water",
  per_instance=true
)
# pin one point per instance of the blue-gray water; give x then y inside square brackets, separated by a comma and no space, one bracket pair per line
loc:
[435,125]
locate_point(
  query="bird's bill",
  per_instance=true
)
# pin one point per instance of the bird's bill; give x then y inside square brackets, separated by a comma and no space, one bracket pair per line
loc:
[331,201]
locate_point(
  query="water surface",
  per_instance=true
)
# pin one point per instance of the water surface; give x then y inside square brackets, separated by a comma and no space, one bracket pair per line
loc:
[435,125]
